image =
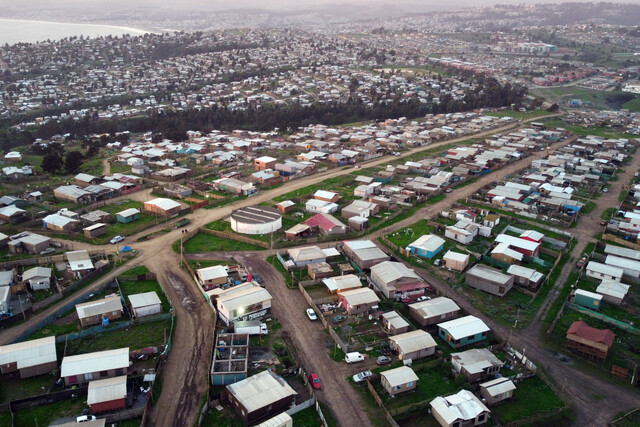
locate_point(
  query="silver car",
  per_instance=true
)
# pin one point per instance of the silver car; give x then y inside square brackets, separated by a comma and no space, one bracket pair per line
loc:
[361,376]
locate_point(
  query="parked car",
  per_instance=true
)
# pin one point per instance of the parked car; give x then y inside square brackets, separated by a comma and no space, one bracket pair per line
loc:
[85,418]
[116,239]
[48,251]
[257,278]
[311,314]
[339,318]
[603,222]
[423,298]
[361,376]
[354,357]
[581,263]
[383,360]
[315,381]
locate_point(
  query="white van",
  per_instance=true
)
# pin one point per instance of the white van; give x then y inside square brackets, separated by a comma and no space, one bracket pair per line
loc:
[353,357]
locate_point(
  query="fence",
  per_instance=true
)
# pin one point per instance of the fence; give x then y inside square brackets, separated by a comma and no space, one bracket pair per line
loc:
[378,400]
[604,318]
[7,265]
[618,240]
[44,399]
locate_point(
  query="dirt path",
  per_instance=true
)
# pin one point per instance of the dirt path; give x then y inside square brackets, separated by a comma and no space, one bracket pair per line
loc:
[106,167]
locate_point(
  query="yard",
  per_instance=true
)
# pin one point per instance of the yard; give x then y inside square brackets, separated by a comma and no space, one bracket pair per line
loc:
[202,242]
[16,388]
[130,286]
[532,397]
[44,414]
[340,184]
[407,235]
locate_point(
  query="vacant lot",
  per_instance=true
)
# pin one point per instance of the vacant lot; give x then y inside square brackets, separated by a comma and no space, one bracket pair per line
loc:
[206,243]
[532,397]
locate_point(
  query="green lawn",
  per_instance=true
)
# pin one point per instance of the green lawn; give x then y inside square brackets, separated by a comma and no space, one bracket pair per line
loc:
[44,414]
[135,337]
[343,185]
[131,287]
[407,235]
[16,388]
[207,243]
[288,279]
[532,397]
[204,263]
[307,418]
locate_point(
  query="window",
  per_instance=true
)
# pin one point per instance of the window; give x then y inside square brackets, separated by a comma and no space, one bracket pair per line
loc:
[410,384]
[480,418]
[456,424]
[103,374]
[88,377]
[119,372]
[398,387]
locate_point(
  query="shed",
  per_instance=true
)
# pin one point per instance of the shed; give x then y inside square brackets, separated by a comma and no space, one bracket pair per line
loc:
[145,304]
[95,230]
[212,277]
[497,390]
[489,280]
[587,299]
[455,260]
[108,394]
[399,380]
[613,291]
[39,278]
[394,323]
[319,270]
[128,215]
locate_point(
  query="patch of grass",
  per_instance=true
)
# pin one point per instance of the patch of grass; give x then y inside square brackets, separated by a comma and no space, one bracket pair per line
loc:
[288,279]
[225,418]
[16,388]
[532,397]
[337,354]
[204,263]
[328,415]
[407,235]
[43,415]
[135,271]
[588,207]
[307,418]
[608,213]
[135,337]
[202,242]
[131,287]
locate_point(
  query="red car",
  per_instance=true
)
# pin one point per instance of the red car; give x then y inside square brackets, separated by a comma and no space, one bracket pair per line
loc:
[315,381]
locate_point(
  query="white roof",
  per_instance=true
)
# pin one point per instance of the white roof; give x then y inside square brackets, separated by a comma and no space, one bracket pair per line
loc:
[490,274]
[213,272]
[399,376]
[95,362]
[95,226]
[613,288]
[476,360]
[162,203]
[243,295]
[107,390]
[144,299]
[435,307]
[623,263]
[609,270]
[533,234]
[455,256]
[266,159]
[101,306]
[359,244]
[517,242]
[11,210]
[389,271]
[395,319]
[464,327]
[128,212]
[58,220]
[324,194]
[348,281]
[520,271]
[85,177]
[589,294]
[623,252]
[306,253]
[286,204]
[463,405]
[503,248]
[330,252]
[279,420]
[79,260]
[498,386]
[260,390]
[29,353]
[36,272]
[413,341]
[360,296]
[429,242]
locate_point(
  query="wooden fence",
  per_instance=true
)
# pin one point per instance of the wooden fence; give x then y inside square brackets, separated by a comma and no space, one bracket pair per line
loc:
[233,236]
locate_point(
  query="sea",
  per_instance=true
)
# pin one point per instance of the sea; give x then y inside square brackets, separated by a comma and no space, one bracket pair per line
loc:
[18,31]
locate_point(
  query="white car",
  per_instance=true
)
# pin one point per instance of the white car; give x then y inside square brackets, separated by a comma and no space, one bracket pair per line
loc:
[361,376]
[116,239]
[311,314]
[422,298]
[85,418]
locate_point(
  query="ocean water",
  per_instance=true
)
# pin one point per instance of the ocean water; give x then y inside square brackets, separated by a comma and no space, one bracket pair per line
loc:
[17,31]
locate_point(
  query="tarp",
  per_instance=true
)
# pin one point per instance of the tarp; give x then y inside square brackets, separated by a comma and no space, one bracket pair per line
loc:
[126,248]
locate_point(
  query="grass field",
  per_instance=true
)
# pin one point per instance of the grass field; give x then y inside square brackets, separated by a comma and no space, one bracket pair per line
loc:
[206,243]
[131,287]
[532,397]
[16,388]
[44,414]
[407,235]
[519,114]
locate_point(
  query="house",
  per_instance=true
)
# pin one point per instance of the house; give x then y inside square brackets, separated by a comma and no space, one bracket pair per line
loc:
[108,394]
[212,277]
[503,253]
[327,196]
[286,206]
[235,186]
[326,224]
[455,260]
[319,270]
[248,301]
[630,267]
[73,193]
[364,253]
[433,311]
[306,255]
[59,222]
[496,391]
[145,304]
[525,277]
[80,262]
[100,312]
[524,246]
[532,236]
[463,231]
[264,162]
[394,279]
[476,364]
[603,271]
[589,342]
[613,291]
[96,216]
[298,231]
[413,345]
[489,279]
[339,284]
[321,206]
[426,246]
[128,215]
[398,380]
[83,368]
[31,243]
[29,358]
[360,208]
[587,299]
[260,396]
[463,331]
[12,214]
[361,300]
[38,278]
[394,323]
[459,410]
[85,179]
[162,207]
[95,230]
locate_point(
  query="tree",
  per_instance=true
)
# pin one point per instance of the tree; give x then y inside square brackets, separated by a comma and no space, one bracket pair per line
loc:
[52,162]
[73,161]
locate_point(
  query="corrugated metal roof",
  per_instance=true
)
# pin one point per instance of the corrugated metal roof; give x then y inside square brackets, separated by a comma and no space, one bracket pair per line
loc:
[464,327]
[613,288]
[260,390]
[279,420]
[348,281]
[388,271]
[487,273]
[609,270]
[243,296]
[455,256]
[429,242]
[435,307]
[399,376]
[360,296]
[101,306]
[213,272]
[305,254]
[498,386]
[107,390]
[144,299]
[162,203]
[623,252]
[460,406]
[29,353]
[95,362]
[36,272]
[517,242]
[413,341]
[395,319]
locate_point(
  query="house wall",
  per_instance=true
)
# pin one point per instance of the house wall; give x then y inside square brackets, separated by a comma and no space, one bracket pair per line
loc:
[459,237]
[400,389]
[504,258]
[36,249]
[414,355]
[488,286]
[90,376]
[39,284]
[95,233]
[455,265]
[433,319]
[147,310]
[97,319]
[108,406]
[463,341]
[32,371]
[272,409]
[127,219]
[492,400]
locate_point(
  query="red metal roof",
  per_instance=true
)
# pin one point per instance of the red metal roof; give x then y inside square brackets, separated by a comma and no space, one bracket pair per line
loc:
[321,221]
[581,329]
